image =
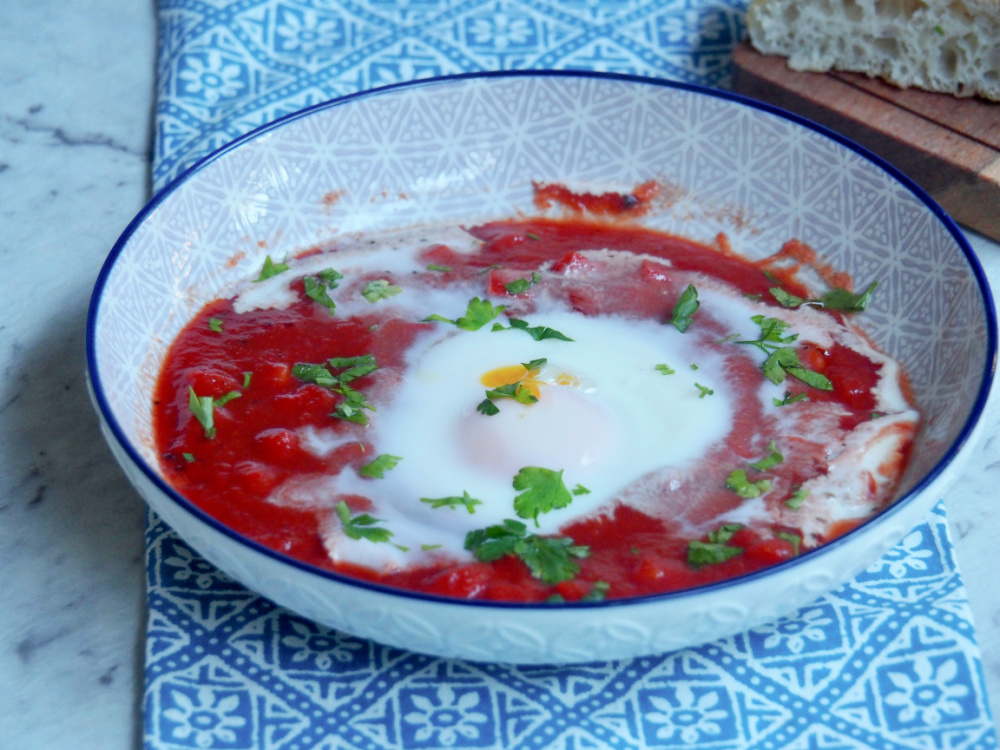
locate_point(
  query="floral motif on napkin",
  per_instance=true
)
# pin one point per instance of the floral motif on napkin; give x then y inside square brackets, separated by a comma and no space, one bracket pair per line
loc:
[888,661]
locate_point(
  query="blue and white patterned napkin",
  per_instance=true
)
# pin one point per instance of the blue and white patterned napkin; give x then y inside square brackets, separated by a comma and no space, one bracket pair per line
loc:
[888,661]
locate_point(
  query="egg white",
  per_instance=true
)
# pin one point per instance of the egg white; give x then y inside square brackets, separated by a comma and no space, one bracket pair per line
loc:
[621,420]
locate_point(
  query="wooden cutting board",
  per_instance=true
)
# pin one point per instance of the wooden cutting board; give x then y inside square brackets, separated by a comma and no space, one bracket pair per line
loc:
[948,146]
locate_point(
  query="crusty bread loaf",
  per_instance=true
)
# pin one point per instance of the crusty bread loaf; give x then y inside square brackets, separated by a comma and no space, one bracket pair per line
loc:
[941,45]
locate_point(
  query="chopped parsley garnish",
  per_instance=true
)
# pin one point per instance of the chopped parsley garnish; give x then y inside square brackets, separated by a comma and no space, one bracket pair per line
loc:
[353,367]
[246,379]
[597,593]
[317,287]
[538,333]
[534,364]
[516,391]
[542,490]
[790,399]
[361,526]
[271,269]
[842,299]
[550,559]
[350,368]
[377,468]
[223,400]
[202,408]
[797,498]
[350,408]
[835,299]
[716,549]
[532,236]
[772,459]
[487,408]
[478,313]
[379,289]
[465,501]
[316,374]
[782,359]
[739,483]
[189,457]
[436,267]
[330,277]
[794,539]
[215,325]
[520,286]
[665,369]
[685,308]
[704,391]
[580,490]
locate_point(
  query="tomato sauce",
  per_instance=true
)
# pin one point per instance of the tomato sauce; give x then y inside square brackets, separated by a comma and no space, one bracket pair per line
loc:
[257,442]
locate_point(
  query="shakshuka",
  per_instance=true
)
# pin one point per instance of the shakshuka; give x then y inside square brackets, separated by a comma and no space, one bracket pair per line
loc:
[535,410]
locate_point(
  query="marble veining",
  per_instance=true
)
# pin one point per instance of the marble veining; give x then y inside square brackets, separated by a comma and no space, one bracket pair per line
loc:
[78,82]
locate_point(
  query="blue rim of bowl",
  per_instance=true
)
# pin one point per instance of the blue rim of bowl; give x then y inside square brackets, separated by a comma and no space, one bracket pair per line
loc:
[947,459]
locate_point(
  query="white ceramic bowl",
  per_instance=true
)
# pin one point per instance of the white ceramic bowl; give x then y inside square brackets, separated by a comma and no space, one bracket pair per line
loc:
[467,149]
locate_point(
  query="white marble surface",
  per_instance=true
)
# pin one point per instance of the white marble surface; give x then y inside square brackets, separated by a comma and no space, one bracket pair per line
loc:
[76,89]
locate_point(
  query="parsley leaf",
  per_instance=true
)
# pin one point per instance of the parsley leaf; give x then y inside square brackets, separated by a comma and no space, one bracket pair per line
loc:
[478,313]
[494,542]
[353,367]
[665,369]
[550,559]
[772,459]
[202,409]
[189,457]
[580,490]
[738,482]
[520,286]
[330,277]
[790,399]
[708,553]
[454,502]
[797,498]
[215,325]
[538,333]
[223,400]
[782,360]
[835,299]
[516,391]
[317,374]
[379,289]
[597,593]
[716,549]
[841,299]
[361,526]
[436,267]
[377,468]
[487,408]
[541,490]
[786,299]
[685,308]
[534,364]
[794,539]
[316,289]
[271,269]
[350,408]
